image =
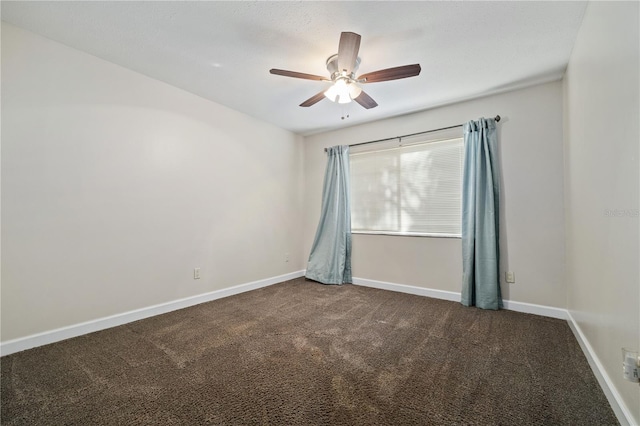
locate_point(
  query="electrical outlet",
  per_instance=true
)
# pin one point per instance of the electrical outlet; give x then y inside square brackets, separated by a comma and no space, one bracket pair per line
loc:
[510,277]
[196,273]
[286,257]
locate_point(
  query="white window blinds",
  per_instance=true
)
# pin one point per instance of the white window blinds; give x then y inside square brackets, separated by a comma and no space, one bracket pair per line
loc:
[408,190]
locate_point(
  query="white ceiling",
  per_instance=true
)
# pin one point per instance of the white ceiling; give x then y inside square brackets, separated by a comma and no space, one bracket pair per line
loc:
[223,51]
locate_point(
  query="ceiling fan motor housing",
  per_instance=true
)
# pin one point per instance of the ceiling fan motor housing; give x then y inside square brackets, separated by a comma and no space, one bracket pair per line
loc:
[332,67]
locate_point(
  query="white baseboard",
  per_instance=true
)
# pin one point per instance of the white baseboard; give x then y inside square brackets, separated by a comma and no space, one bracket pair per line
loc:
[528,308]
[403,288]
[615,400]
[52,336]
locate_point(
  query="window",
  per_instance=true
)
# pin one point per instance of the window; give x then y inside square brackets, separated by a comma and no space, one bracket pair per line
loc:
[408,190]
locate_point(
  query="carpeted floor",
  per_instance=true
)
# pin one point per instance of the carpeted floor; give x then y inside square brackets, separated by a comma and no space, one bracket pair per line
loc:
[301,353]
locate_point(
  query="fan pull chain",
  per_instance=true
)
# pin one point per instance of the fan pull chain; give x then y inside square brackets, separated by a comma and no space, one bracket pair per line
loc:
[345,112]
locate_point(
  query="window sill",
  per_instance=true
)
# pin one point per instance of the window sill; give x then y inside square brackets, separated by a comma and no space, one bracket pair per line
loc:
[407,234]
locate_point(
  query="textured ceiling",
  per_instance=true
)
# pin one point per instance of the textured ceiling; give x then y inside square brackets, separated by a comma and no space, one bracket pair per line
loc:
[223,51]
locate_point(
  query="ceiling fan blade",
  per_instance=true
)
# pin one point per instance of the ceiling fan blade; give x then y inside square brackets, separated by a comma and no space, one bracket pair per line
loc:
[348,51]
[366,100]
[313,100]
[391,73]
[298,75]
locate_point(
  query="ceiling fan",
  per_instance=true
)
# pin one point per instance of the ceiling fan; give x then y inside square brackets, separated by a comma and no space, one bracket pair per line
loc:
[342,67]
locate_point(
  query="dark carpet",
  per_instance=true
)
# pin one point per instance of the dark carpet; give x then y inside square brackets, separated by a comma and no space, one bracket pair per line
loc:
[301,353]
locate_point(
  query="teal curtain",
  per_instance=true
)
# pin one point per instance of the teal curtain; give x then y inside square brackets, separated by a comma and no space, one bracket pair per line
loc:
[330,258]
[480,216]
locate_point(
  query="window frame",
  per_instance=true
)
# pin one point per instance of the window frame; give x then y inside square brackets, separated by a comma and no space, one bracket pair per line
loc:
[451,137]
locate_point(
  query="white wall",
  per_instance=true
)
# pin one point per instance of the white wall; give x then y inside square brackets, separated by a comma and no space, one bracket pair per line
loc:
[532,242]
[115,186]
[601,169]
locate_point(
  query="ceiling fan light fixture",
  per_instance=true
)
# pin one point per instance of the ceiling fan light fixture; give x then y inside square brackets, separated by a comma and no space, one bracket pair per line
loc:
[354,90]
[342,92]
[331,93]
[338,92]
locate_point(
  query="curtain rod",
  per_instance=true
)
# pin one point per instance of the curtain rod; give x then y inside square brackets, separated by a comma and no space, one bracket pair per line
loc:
[497,118]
